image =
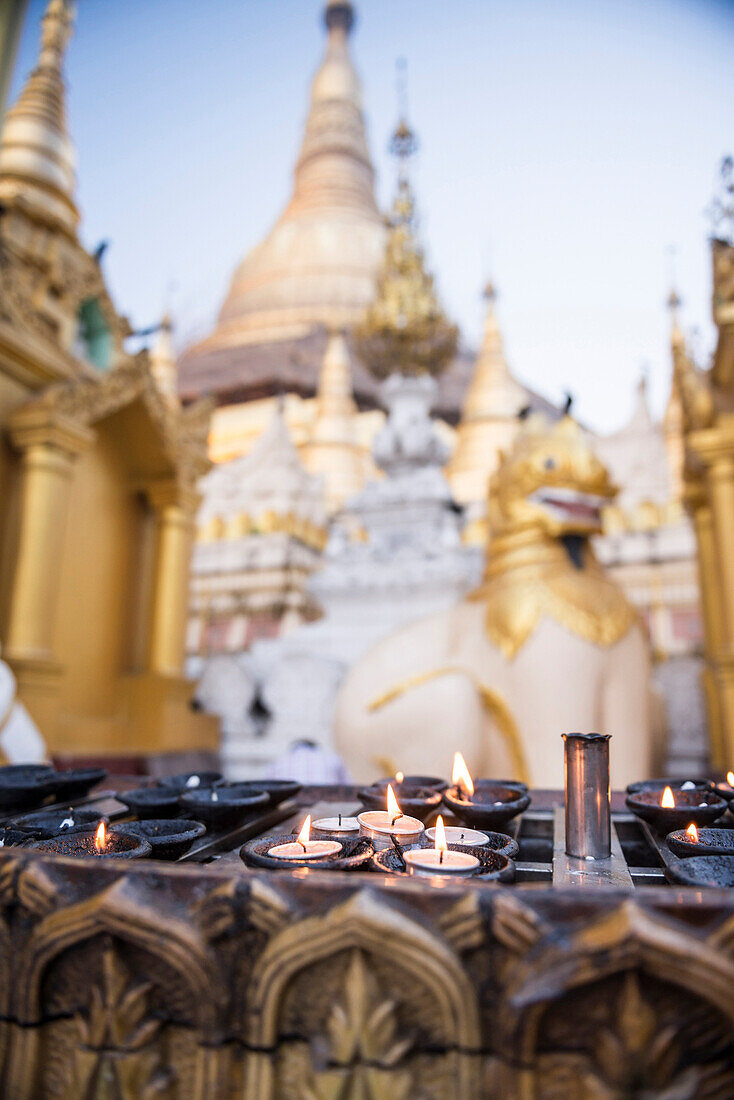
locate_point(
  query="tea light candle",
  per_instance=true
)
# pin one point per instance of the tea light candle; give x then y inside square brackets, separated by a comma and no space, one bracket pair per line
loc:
[455,834]
[304,848]
[440,860]
[380,825]
[347,826]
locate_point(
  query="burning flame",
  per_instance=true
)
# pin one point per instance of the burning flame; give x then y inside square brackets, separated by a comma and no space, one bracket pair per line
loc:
[667,801]
[305,833]
[440,842]
[100,837]
[730,778]
[693,832]
[460,776]
[392,805]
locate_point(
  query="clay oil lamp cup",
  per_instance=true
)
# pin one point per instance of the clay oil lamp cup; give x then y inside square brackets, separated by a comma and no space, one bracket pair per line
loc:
[416,799]
[168,837]
[340,827]
[440,860]
[668,810]
[146,802]
[23,786]
[104,842]
[725,789]
[303,848]
[693,841]
[47,823]
[484,804]
[676,783]
[382,825]
[190,781]
[702,871]
[224,807]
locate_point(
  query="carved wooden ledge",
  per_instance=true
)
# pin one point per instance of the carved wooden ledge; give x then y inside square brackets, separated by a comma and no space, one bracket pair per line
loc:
[198,982]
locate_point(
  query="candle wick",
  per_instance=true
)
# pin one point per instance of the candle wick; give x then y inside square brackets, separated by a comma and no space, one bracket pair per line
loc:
[340,819]
[396,818]
[303,845]
[440,855]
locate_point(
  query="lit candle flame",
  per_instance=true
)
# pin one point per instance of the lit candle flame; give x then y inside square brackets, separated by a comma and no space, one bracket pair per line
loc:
[693,832]
[667,801]
[305,833]
[460,776]
[399,777]
[440,834]
[730,778]
[100,837]
[392,805]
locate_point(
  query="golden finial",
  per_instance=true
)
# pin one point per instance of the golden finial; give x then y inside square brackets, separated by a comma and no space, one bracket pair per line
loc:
[339,13]
[55,33]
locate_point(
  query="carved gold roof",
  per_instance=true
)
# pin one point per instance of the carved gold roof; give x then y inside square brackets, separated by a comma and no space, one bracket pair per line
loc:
[36,154]
[318,264]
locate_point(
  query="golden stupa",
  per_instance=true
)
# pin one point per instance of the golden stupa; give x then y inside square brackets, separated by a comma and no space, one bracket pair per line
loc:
[316,268]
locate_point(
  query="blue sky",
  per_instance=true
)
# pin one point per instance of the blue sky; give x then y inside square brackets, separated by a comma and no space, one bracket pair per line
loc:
[565,145]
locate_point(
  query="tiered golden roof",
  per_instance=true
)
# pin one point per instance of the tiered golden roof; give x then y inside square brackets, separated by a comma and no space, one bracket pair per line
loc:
[405,329]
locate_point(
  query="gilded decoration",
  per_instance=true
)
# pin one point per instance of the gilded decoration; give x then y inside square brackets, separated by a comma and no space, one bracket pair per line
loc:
[545,500]
[404,330]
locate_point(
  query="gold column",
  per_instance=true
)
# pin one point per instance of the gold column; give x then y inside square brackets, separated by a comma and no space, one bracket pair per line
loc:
[175,510]
[720,479]
[48,463]
[712,617]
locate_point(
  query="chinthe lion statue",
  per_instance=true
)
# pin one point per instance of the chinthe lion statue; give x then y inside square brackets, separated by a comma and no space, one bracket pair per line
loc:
[548,644]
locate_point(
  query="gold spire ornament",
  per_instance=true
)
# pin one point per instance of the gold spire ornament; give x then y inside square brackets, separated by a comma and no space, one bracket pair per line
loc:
[405,330]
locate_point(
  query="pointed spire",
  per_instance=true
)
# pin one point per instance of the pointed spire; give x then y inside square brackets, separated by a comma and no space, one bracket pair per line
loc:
[334,164]
[492,392]
[333,448]
[489,418]
[641,417]
[163,365]
[36,154]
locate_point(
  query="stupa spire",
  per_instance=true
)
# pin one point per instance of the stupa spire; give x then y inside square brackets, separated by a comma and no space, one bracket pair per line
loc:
[36,153]
[333,448]
[334,165]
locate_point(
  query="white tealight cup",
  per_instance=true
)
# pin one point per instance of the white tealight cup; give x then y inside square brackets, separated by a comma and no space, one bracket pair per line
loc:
[432,861]
[312,849]
[379,826]
[348,827]
[455,834]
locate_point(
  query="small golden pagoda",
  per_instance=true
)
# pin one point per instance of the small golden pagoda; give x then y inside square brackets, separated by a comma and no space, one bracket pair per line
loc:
[333,448]
[707,399]
[98,467]
[489,423]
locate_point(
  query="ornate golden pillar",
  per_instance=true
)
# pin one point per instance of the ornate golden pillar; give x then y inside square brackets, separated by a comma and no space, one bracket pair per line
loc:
[711,609]
[714,449]
[175,508]
[49,451]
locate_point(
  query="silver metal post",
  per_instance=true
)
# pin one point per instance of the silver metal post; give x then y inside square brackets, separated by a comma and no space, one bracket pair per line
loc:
[588,812]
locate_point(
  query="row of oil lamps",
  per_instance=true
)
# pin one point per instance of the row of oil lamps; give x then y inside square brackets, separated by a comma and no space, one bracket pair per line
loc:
[384,828]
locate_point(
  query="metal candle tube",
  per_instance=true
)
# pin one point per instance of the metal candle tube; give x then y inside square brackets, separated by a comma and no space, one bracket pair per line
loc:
[588,811]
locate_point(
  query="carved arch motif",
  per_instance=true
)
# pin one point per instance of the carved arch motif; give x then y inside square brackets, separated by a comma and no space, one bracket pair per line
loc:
[364,930]
[630,963]
[130,921]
